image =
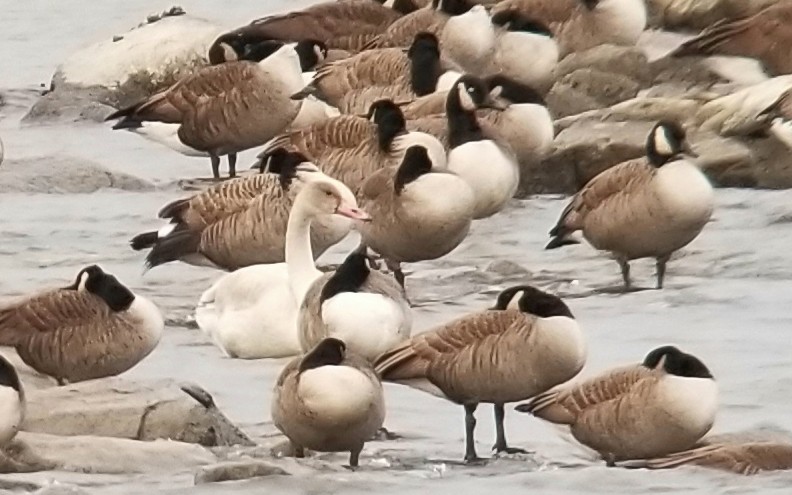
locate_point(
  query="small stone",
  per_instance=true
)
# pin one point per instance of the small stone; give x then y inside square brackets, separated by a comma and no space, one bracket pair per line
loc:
[117,38]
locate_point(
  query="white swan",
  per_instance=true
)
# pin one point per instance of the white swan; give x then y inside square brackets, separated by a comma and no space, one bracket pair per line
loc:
[252,313]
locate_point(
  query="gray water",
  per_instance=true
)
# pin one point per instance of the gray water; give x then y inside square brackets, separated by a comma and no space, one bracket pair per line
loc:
[725,301]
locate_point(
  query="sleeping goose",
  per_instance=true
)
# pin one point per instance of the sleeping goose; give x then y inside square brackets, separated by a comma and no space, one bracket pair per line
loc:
[664,405]
[739,454]
[431,19]
[329,400]
[528,343]
[410,221]
[221,109]
[579,25]
[415,72]
[366,309]
[644,208]
[251,313]
[765,36]
[488,167]
[242,224]
[94,328]
[343,25]
[351,148]
[12,411]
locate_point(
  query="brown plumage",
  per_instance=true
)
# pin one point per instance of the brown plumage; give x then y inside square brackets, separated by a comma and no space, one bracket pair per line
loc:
[663,405]
[765,36]
[91,329]
[528,343]
[226,108]
[739,453]
[402,31]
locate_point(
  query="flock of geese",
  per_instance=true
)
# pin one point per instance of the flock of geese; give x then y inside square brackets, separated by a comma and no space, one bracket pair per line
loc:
[406,123]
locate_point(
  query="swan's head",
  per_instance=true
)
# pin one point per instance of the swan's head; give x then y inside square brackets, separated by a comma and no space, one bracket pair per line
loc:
[666,141]
[329,197]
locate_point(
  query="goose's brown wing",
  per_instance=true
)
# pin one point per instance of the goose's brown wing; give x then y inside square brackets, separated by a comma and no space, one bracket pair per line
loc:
[741,458]
[345,131]
[547,11]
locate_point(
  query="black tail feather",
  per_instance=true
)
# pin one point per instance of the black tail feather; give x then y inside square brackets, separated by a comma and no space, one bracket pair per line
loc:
[173,209]
[173,247]
[144,240]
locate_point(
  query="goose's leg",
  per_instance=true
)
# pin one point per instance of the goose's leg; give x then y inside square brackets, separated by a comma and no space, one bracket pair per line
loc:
[299,451]
[470,427]
[395,267]
[625,271]
[661,269]
[232,159]
[215,166]
[354,457]
[500,434]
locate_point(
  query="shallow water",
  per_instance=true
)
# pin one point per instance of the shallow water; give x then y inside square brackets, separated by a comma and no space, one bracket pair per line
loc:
[725,299]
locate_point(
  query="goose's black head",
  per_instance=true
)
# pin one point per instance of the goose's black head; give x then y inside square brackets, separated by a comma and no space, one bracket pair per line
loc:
[328,352]
[590,4]
[514,20]
[513,91]
[676,362]
[312,54]
[282,162]
[105,286]
[416,163]
[389,120]
[258,51]
[229,46]
[8,375]
[531,300]
[349,277]
[666,141]
[452,7]
[468,94]
[425,67]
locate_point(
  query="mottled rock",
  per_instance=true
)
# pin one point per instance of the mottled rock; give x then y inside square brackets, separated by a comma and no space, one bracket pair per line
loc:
[64,175]
[121,70]
[239,470]
[612,59]
[507,268]
[686,71]
[116,407]
[104,455]
[588,89]
[698,14]
[727,162]
[643,108]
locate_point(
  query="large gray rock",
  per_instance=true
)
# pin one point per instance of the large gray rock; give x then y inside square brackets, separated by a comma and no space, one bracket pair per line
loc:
[612,59]
[121,70]
[64,174]
[115,407]
[103,455]
[588,89]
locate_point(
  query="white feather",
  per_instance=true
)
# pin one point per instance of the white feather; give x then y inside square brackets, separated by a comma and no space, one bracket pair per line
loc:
[166,230]
[469,39]
[434,148]
[693,402]
[626,19]
[338,393]
[511,61]
[368,323]
[11,414]
[684,190]
[149,317]
[167,134]
[447,80]
[491,172]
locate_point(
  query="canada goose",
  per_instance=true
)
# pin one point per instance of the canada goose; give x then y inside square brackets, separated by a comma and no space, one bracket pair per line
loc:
[251,313]
[329,400]
[469,39]
[410,221]
[579,25]
[221,109]
[528,343]
[94,328]
[642,208]
[366,309]
[486,165]
[746,456]
[430,19]
[764,36]
[417,70]
[662,406]
[351,148]
[345,25]
[224,229]
[12,411]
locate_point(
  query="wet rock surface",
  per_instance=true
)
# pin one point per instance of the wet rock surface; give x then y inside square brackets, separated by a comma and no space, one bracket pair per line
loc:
[64,175]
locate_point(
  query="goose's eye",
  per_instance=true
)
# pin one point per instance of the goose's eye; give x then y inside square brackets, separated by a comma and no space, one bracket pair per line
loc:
[328,193]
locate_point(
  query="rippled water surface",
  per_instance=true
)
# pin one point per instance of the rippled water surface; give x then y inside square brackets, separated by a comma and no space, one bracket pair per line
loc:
[727,299]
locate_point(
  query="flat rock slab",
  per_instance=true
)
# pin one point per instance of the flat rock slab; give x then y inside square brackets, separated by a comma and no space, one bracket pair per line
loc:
[64,175]
[103,455]
[239,470]
[115,407]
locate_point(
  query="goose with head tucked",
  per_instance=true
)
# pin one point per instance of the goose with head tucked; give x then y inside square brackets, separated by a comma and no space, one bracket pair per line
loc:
[366,309]
[664,405]
[222,109]
[94,328]
[240,224]
[329,400]
[351,148]
[251,313]
[525,345]
[644,208]
[13,405]
[410,221]
[486,164]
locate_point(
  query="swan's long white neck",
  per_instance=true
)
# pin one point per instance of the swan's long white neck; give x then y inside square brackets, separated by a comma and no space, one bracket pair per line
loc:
[299,255]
